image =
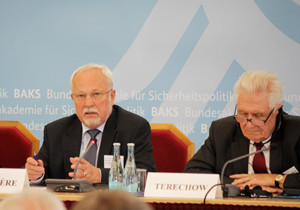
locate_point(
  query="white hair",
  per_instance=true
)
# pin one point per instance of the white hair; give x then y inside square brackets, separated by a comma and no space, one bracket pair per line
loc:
[260,81]
[104,69]
[32,199]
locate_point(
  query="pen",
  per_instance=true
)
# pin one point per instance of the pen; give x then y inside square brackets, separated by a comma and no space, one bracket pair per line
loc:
[35,157]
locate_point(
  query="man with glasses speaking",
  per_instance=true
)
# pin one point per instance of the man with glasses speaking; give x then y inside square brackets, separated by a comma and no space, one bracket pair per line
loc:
[258,122]
[97,119]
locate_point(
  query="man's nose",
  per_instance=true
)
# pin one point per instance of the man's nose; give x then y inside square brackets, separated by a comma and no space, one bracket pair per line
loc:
[89,100]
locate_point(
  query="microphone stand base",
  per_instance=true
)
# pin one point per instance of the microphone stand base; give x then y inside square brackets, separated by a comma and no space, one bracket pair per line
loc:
[68,185]
[230,190]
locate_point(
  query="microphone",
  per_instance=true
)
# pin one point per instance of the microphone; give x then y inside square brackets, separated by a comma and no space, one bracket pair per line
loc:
[68,185]
[92,142]
[230,190]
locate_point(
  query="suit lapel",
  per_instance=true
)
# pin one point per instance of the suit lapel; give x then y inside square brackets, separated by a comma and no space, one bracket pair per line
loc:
[71,144]
[108,137]
[240,147]
[277,161]
[276,154]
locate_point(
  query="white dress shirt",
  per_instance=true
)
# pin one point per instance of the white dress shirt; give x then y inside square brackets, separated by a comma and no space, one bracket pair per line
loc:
[252,148]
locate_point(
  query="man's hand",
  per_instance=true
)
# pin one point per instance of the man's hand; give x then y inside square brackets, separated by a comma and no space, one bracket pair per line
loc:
[85,170]
[35,169]
[266,181]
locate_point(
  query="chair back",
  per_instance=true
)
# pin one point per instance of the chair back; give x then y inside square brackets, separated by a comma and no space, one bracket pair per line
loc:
[17,143]
[171,148]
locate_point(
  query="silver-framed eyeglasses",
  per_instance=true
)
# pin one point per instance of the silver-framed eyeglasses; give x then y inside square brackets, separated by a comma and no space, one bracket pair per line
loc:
[254,121]
[94,95]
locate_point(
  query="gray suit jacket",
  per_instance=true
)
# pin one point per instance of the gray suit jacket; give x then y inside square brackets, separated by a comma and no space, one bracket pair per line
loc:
[226,141]
[62,140]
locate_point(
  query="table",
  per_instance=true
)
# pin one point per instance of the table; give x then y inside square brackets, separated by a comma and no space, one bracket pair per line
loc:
[184,203]
[224,203]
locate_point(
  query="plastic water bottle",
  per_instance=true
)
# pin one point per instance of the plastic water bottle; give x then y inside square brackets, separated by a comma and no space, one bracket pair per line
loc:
[115,180]
[130,179]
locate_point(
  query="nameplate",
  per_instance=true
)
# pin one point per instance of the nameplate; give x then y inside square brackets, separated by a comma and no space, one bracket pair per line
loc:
[13,180]
[182,185]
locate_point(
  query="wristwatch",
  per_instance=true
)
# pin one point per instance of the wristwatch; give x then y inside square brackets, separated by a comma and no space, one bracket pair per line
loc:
[278,178]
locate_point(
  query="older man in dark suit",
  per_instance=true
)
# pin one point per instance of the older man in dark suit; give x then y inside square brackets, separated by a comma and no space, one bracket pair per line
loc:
[258,122]
[67,138]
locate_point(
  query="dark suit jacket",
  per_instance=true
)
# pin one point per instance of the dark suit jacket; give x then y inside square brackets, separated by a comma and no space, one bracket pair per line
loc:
[62,140]
[226,142]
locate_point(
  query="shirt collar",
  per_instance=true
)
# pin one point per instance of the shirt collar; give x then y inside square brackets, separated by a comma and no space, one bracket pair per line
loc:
[264,141]
[85,128]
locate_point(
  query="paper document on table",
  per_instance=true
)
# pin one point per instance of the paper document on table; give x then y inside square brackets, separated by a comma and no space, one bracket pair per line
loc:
[291,170]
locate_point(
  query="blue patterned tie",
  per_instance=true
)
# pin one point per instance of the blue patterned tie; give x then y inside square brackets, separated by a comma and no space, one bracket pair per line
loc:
[92,153]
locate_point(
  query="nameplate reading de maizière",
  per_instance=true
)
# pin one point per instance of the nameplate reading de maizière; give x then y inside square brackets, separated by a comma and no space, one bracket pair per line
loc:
[13,180]
[182,185]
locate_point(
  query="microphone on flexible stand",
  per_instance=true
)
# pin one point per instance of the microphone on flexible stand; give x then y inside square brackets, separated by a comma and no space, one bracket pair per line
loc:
[68,185]
[230,190]
[92,142]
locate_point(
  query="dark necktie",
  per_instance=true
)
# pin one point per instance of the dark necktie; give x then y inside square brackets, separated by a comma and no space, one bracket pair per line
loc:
[92,153]
[259,162]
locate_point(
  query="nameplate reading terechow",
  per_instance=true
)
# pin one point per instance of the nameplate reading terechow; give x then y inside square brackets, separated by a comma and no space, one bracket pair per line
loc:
[13,180]
[182,185]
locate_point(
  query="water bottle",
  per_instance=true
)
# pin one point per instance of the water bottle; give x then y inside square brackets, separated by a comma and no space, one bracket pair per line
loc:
[130,179]
[115,180]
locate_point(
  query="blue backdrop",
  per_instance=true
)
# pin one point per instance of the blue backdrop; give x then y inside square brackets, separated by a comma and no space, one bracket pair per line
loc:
[174,61]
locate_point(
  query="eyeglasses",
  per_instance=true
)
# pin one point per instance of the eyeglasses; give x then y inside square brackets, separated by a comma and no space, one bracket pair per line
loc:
[95,96]
[254,121]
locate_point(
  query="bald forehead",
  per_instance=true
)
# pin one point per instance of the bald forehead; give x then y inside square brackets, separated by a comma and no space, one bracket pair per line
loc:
[89,76]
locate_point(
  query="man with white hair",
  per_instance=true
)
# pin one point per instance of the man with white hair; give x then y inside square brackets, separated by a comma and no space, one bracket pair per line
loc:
[258,122]
[67,138]
[32,199]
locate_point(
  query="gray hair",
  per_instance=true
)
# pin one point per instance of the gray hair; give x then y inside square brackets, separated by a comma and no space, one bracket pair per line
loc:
[32,199]
[104,69]
[260,81]
[111,199]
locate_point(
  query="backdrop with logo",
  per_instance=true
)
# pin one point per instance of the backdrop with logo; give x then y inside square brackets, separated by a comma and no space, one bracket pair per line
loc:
[174,61]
